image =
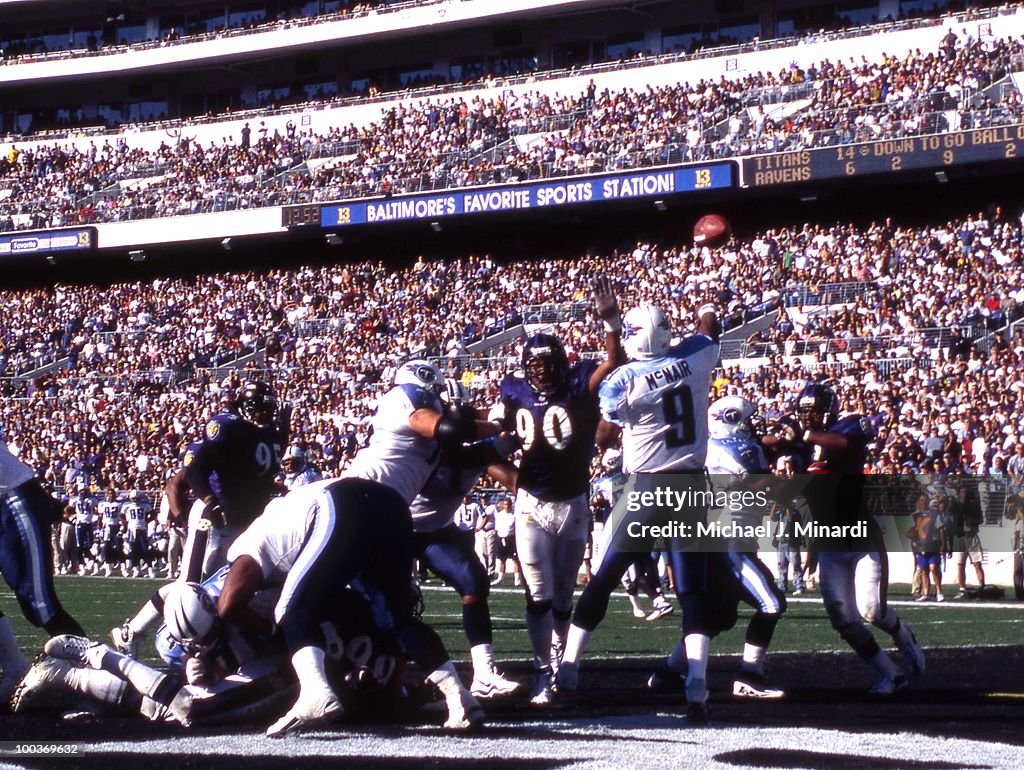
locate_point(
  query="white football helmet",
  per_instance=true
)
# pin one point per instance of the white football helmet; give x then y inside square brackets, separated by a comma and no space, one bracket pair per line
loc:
[190,616]
[646,332]
[731,417]
[455,393]
[294,459]
[421,373]
[612,461]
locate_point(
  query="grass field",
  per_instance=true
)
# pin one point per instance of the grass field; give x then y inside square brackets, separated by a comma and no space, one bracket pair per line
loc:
[964,712]
[100,603]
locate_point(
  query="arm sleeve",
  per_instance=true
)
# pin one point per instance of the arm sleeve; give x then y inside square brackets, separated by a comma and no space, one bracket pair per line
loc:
[612,397]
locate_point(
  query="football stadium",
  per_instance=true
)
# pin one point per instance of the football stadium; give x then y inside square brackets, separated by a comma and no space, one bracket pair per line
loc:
[511,383]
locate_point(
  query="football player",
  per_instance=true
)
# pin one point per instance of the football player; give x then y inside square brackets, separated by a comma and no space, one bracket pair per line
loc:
[231,473]
[297,470]
[137,513]
[854,574]
[410,428]
[448,550]
[735,458]
[333,534]
[230,676]
[659,403]
[83,505]
[27,514]
[110,520]
[552,407]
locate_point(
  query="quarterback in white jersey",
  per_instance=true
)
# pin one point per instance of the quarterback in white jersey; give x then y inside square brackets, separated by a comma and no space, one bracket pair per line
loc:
[659,401]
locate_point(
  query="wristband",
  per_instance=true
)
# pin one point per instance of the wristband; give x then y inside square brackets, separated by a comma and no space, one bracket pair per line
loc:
[613,325]
[807,436]
[708,308]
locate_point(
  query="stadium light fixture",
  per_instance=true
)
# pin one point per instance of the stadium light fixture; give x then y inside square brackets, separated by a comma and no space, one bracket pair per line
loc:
[226,244]
[941,177]
[51,260]
[660,206]
[333,239]
[435,226]
[137,255]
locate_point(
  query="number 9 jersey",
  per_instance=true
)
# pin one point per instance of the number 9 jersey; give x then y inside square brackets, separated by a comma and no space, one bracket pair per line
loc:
[557,432]
[663,404]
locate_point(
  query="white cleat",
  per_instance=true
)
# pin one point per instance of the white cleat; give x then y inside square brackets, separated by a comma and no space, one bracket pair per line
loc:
[74,649]
[125,640]
[464,713]
[542,694]
[660,611]
[41,687]
[491,683]
[306,714]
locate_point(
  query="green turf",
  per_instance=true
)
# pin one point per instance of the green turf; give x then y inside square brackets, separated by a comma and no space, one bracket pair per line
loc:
[101,603]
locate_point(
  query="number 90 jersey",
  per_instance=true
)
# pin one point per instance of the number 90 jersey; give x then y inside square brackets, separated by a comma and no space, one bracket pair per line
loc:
[662,406]
[557,432]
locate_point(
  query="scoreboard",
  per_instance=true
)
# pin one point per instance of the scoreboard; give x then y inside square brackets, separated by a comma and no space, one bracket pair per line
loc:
[885,156]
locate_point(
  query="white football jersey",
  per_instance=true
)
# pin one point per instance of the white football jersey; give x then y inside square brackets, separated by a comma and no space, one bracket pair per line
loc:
[662,407]
[84,507]
[137,515]
[13,472]
[110,511]
[275,538]
[397,456]
[729,461]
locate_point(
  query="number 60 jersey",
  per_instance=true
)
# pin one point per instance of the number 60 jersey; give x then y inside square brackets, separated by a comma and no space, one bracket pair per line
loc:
[663,404]
[557,432]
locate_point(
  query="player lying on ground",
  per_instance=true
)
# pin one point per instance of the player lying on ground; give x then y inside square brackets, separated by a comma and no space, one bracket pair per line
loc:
[228,676]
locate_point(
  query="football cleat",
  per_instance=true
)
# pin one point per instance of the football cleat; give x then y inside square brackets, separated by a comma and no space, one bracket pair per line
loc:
[464,713]
[698,714]
[542,694]
[749,684]
[42,686]
[492,683]
[305,714]
[887,685]
[125,640]
[639,613]
[697,710]
[660,611]
[913,655]
[568,676]
[72,648]
[666,680]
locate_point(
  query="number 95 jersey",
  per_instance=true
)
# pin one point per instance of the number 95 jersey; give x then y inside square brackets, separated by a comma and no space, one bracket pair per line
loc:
[557,432]
[662,406]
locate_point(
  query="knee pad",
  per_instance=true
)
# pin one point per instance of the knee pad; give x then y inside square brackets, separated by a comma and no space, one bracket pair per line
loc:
[562,615]
[535,607]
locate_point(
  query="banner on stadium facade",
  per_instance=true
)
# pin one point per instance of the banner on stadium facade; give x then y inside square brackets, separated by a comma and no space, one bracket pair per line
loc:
[78,239]
[520,197]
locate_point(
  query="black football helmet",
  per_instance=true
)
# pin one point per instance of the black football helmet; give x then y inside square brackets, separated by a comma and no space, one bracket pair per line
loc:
[545,363]
[257,403]
[818,406]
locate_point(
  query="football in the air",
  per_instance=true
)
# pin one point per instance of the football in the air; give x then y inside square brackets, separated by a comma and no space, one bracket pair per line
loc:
[712,230]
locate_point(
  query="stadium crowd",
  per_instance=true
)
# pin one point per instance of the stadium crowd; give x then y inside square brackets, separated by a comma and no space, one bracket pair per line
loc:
[457,141]
[140,380]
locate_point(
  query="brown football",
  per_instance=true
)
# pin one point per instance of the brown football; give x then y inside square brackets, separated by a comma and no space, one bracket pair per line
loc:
[712,230]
